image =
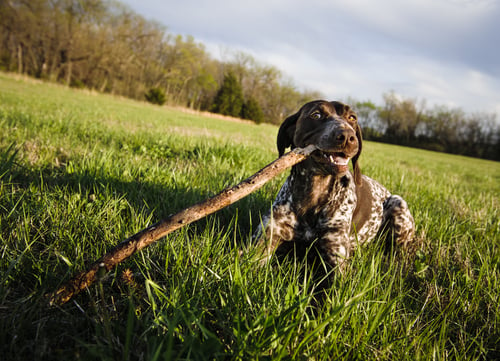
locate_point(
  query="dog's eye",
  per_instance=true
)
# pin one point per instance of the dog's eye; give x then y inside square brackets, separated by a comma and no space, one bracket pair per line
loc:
[352,118]
[316,115]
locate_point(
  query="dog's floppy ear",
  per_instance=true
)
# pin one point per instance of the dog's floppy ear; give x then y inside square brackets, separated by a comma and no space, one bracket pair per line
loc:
[355,164]
[286,133]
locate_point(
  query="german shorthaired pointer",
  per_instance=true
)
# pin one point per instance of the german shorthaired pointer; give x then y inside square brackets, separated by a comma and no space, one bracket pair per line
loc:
[322,202]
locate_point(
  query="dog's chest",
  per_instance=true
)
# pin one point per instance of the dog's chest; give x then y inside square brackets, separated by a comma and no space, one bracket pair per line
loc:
[321,204]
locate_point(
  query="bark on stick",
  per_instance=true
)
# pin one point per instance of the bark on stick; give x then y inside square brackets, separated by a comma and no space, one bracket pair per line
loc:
[188,215]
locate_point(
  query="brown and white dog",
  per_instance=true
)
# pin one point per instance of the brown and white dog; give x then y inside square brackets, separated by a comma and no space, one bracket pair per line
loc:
[322,203]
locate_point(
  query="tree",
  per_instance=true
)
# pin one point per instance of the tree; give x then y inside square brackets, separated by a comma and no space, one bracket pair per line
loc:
[401,118]
[251,110]
[368,119]
[229,99]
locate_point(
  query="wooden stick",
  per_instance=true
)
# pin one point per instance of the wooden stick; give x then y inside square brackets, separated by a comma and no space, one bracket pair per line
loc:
[158,230]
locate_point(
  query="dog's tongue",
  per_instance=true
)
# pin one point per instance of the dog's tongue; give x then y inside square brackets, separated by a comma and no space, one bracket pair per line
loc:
[339,162]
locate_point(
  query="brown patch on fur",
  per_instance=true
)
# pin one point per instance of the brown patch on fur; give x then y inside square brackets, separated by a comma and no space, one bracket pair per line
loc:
[363,210]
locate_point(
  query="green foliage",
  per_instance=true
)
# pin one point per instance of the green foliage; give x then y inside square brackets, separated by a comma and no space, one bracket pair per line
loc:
[229,98]
[252,110]
[79,173]
[156,96]
[77,83]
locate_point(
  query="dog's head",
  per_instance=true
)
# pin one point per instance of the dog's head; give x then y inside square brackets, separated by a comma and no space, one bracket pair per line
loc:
[333,128]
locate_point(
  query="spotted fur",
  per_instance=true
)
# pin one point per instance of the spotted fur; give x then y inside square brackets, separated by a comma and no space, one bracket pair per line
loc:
[322,203]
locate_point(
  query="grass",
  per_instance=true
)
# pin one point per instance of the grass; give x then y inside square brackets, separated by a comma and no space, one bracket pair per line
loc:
[79,172]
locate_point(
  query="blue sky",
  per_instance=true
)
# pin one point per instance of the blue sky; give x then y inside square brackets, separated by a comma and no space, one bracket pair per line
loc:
[444,51]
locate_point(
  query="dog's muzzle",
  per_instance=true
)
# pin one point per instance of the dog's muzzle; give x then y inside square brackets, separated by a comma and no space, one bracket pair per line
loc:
[336,149]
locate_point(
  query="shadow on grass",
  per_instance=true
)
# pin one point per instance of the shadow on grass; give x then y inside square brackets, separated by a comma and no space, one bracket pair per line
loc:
[34,270]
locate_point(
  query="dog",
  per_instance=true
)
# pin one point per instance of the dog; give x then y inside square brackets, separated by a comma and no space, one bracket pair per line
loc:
[322,203]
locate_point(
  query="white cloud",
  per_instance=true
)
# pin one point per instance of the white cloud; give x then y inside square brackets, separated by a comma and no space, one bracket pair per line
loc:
[443,51]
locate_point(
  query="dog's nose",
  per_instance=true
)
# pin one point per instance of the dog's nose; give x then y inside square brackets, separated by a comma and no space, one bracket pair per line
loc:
[347,137]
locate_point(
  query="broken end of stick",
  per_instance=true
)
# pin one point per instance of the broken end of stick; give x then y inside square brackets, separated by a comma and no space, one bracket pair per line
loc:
[306,151]
[61,296]
[72,288]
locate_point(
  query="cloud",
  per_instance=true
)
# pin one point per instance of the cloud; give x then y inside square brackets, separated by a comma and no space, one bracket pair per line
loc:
[441,50]
[459,31]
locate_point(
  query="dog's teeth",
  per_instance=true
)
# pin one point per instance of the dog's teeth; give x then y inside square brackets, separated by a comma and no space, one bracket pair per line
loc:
[338,160]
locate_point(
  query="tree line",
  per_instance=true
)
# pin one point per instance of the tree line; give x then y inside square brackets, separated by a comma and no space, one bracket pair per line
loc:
[105,46]
[409,122]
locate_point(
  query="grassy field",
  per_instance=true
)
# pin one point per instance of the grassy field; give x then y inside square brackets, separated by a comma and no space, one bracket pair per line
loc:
[79,172]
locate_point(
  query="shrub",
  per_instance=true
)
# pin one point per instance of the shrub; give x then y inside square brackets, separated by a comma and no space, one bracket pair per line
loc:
[77,83]
[156,96]
[251,110]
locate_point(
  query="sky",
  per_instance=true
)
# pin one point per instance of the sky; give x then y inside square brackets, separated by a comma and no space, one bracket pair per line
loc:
[446,52]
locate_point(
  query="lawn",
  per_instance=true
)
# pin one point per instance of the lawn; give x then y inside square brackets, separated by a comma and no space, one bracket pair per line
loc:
[81,171]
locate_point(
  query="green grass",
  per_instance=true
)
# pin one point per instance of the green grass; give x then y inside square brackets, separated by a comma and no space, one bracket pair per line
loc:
[79,172]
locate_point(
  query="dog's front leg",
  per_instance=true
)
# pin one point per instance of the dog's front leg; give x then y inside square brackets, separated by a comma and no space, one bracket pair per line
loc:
[276,228]
[335,247]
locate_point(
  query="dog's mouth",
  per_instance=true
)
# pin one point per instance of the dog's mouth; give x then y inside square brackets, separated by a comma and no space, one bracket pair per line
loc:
[337,162]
